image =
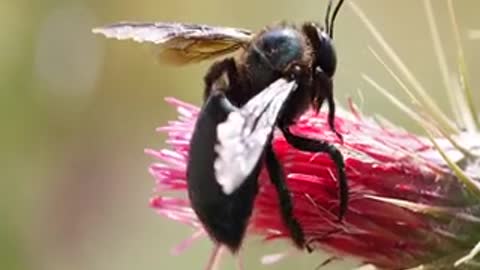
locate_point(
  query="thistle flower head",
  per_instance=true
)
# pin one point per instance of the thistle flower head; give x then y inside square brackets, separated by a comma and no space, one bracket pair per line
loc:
[415,200]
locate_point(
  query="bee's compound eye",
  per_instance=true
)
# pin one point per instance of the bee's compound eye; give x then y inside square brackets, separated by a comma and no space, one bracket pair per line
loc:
[326,55]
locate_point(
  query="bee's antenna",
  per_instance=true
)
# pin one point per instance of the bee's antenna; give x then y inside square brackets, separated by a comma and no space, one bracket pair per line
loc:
[327,17]
[335,12]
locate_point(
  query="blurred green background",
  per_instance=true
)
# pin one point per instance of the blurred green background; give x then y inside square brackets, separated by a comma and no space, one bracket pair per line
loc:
[77,110]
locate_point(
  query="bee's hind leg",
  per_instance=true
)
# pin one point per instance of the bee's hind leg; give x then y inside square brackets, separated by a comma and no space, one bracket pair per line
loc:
[215,257]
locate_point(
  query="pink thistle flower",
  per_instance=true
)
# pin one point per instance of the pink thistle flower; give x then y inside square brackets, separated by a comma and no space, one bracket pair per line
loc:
[414,200]
[404,199]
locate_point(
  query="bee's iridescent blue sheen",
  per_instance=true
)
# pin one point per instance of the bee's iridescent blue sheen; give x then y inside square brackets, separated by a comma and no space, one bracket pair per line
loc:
[272,52]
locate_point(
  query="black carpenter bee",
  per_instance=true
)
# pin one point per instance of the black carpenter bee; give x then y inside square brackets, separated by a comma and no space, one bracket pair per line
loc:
[278,74]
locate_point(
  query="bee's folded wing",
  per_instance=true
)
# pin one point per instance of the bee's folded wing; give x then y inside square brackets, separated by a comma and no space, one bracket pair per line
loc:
[243,136]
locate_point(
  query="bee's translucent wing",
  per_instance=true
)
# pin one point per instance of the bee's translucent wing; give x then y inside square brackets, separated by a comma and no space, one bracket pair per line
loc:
[180,43]
[245,132]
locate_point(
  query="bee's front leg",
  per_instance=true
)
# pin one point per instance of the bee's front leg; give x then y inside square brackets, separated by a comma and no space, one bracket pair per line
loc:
[315,146]
[324,84]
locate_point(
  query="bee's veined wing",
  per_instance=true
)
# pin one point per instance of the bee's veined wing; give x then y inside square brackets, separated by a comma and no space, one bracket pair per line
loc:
[245,132]
[180,43]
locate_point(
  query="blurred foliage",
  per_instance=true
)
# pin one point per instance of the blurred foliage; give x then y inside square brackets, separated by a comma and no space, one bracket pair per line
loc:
[77,110]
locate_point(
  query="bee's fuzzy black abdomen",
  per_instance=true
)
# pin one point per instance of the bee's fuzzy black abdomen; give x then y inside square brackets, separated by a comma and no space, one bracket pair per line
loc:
[225,217]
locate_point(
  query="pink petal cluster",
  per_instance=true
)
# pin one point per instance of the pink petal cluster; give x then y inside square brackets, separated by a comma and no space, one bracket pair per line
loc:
[406,207]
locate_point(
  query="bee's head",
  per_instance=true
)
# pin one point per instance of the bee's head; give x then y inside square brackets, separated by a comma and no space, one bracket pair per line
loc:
[278,48]
[321,40]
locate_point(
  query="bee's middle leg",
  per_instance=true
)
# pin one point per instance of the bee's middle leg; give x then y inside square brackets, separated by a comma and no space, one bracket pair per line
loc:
[216,71]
